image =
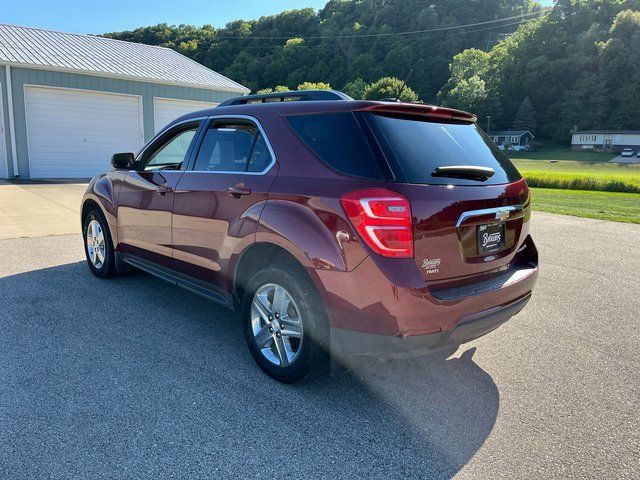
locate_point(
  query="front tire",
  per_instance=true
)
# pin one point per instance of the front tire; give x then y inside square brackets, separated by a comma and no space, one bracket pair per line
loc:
[98,247]
[284,325]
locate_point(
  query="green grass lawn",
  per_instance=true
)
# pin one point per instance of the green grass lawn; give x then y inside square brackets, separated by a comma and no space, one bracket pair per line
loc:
[581,183]
[562,153]
[581,175]
[619,207]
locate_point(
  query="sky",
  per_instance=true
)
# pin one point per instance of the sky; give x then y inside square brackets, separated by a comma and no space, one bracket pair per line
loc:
[90,16]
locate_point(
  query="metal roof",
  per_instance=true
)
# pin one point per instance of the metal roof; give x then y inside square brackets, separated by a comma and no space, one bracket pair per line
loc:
[87,54]
[517,133]
[607,132]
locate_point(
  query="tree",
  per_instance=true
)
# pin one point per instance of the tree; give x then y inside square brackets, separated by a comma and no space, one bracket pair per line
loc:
[579,64]
[330,44]
[314,86]
[279,89]
[390,87]
[355,89]
[469,95]
[526,117]
[620,70]
[468,85]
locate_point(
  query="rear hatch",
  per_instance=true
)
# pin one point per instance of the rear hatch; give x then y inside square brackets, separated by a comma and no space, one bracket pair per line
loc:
[469,204]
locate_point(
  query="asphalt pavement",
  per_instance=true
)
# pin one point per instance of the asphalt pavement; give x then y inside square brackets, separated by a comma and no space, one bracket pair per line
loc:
[134,378]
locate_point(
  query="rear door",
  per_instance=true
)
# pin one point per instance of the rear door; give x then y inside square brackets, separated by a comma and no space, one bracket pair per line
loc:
[220,197]
[463,225]
[145,199]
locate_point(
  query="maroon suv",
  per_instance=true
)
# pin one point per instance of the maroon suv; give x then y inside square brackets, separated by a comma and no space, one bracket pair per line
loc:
[355,227]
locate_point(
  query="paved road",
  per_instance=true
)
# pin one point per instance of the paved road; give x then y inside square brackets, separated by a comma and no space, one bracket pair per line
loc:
[39,208]
[621,159]
[133,378]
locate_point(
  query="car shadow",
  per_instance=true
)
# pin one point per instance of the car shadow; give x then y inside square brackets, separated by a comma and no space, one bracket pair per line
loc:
[135,377]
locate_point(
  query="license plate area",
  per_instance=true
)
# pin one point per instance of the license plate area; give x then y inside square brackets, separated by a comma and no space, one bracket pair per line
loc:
[490,238]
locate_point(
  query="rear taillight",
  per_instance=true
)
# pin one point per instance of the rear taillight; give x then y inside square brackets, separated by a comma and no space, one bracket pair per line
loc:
[383,220]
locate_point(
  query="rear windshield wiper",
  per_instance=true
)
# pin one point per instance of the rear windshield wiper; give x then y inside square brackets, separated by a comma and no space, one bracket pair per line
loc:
[472,172]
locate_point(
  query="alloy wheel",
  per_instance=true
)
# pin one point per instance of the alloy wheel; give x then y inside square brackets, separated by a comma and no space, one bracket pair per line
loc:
[95,244]
[276,325]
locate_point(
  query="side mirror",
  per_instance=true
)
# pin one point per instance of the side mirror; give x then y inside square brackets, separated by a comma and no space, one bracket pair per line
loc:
[123,161]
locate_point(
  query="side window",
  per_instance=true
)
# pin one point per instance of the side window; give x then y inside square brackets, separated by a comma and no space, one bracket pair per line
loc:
[171,155]
[338,140]
[232,147]
[260,156]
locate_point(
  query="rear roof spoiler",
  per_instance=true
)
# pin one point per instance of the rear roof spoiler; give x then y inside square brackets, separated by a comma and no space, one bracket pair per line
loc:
[422,109]
[300,95]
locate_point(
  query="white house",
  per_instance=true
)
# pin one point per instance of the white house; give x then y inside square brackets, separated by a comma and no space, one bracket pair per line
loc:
[605,140]
[515,139]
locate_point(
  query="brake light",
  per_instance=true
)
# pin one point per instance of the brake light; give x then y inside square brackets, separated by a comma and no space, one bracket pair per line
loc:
[382,218]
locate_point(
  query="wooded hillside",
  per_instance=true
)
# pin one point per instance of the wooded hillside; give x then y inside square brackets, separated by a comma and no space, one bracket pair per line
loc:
[578,63]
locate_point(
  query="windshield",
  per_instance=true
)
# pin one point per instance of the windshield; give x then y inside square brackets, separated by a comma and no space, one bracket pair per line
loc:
[416,147]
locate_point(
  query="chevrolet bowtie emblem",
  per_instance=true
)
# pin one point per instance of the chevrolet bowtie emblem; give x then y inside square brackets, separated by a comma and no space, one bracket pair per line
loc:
[502,215]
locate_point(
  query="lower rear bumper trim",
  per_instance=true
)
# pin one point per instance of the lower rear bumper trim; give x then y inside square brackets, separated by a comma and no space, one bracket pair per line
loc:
[347,342]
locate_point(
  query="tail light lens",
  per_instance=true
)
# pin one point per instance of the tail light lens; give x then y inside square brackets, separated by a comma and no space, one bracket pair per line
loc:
[382,218]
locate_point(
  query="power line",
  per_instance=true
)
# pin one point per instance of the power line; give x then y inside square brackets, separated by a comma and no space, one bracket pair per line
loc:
[389,34]
[270,47]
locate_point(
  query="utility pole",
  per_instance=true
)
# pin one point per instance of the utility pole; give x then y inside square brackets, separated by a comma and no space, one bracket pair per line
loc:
[488,122]
[404,84]
[489,41]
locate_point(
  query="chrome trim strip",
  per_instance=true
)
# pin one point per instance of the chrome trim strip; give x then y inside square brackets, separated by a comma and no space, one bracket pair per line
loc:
[488,211]
[255,121]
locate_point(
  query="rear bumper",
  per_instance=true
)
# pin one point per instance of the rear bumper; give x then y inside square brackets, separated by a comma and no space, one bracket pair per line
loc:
[376,311]
[347,342]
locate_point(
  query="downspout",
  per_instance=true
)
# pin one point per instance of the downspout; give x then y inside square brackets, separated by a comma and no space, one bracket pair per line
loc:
[12,128]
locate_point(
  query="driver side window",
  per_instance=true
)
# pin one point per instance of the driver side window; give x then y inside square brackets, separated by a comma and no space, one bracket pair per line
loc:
[171,155]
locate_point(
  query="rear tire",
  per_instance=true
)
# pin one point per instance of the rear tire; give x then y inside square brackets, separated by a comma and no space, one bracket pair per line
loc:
[98,246]
[284,324]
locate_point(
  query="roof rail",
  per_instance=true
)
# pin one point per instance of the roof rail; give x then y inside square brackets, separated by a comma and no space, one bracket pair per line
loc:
[297,96]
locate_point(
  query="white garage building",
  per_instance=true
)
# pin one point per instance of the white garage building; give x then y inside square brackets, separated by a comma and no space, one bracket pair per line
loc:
[68,102]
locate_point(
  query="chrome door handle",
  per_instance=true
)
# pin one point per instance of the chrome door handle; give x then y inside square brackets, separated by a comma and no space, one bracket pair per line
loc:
[164,189]
[238,191]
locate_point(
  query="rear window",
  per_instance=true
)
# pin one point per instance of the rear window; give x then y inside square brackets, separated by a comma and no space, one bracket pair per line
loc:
[338,140]
[418,147]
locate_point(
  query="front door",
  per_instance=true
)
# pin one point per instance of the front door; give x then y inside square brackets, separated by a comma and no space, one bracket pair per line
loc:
[145,200]
[219,199]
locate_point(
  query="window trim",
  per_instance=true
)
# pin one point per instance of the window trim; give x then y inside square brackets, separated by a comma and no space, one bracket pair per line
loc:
[247,118]
[149,148]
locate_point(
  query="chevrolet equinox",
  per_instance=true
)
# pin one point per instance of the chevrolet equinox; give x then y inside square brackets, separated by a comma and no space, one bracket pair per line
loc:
[334,226]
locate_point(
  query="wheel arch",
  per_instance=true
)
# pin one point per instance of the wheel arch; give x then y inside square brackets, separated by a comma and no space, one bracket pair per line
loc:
[100,195]
[89,203]
[260,255]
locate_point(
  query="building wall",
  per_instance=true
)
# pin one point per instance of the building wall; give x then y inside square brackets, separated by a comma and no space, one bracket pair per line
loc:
[596,141]
[23,76]
[7,138]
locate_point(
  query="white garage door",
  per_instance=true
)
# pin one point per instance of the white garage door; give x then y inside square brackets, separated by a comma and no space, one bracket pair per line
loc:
[166,110]
[73,133]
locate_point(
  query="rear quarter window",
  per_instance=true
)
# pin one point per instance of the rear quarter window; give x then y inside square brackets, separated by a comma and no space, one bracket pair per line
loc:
[417,147]
[338,140]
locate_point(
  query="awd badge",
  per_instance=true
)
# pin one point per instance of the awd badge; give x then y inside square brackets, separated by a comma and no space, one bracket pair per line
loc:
[431,265]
